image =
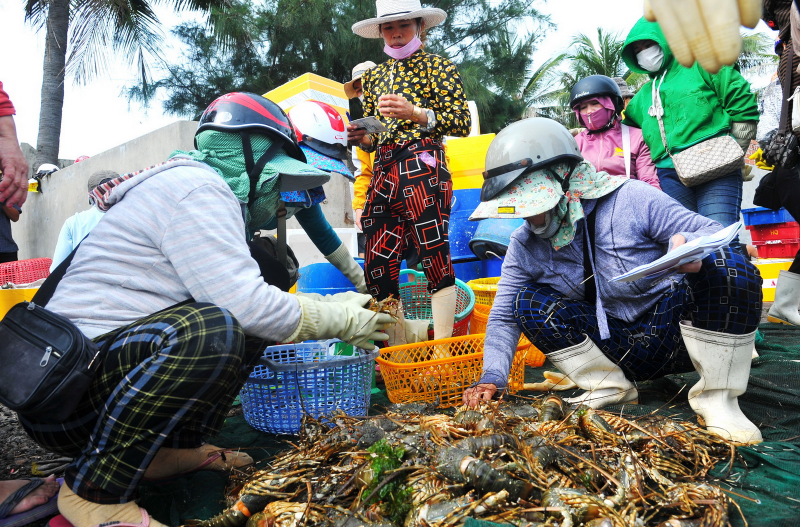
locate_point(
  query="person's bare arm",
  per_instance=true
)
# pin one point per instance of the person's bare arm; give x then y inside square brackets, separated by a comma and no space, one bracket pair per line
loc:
[11,212]
[14,184]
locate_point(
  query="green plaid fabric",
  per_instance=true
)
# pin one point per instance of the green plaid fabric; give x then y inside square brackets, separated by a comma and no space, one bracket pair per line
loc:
[166,380]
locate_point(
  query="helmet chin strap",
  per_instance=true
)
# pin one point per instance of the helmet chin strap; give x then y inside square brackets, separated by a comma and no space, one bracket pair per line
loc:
[254,168]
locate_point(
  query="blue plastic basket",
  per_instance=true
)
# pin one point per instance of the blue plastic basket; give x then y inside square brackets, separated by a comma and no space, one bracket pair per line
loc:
[317,378]
[764,216]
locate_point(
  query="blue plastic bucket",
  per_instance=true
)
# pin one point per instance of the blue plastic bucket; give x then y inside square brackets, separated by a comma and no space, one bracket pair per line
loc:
[461,230]
[323,278]
[491,267]
[467,271]
[493,235]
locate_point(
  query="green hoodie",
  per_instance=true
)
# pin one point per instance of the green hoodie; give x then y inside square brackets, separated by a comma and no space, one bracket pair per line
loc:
[697,104]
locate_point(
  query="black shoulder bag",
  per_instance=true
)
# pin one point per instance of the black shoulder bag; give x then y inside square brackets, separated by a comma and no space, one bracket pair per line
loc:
[782,152]
[47,362]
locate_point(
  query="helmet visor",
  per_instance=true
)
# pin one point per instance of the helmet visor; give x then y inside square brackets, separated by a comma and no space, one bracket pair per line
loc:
[496,180]
[324,162]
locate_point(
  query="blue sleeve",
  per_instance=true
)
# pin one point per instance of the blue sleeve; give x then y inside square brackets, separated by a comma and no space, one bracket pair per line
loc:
[318,229]
[64,245]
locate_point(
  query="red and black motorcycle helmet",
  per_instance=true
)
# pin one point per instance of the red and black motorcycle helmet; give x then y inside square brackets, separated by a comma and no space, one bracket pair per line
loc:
[242,111]
[245,114]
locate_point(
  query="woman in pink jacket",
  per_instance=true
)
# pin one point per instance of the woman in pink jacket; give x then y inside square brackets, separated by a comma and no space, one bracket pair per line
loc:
[606,143]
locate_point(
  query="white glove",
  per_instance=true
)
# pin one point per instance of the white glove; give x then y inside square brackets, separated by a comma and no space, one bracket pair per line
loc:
[348,297]
[325,320]
[341,259]
[704,30]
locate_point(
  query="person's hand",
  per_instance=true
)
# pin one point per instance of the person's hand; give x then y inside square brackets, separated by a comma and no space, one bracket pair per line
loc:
[355,136]
[691,267]
[704,30]
[478,394]
[395,106]
[359,212]
[345,321]
[14,184]
[758,157]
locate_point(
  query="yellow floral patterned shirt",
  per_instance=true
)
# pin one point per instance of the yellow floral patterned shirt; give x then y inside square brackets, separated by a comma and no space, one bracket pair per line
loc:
[426,80]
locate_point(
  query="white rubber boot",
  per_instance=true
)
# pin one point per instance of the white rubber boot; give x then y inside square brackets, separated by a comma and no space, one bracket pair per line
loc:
[397,333]
[416,330]
[443,306]
[723,362]
[787,300]
[605,382]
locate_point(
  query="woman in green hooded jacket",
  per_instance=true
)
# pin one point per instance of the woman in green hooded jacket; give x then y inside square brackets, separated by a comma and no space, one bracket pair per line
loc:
[697,106]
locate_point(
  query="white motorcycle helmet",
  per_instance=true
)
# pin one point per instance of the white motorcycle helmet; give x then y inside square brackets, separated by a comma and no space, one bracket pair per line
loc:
[319,126]
[46,169]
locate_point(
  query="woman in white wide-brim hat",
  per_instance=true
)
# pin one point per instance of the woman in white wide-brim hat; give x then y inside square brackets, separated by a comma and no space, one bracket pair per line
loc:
[419,97]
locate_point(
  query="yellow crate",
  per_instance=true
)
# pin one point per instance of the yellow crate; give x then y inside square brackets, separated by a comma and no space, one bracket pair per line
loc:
[769,294]
[11,297]
[466,160]
[770,267]
[484,289]
[310,87]
[440,370]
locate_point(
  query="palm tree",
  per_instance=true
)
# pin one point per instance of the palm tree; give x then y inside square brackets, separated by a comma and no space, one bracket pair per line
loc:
[757,54]
[601,58]
[91,28]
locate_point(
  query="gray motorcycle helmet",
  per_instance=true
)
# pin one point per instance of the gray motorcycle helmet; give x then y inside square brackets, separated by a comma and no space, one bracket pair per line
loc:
[524,146]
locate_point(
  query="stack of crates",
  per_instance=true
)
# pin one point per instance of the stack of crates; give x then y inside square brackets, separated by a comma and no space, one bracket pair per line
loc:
[777,237]
[774,232]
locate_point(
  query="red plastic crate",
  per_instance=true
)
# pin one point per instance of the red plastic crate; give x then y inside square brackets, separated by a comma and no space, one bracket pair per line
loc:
[789,230]
[25,271]
[778,248]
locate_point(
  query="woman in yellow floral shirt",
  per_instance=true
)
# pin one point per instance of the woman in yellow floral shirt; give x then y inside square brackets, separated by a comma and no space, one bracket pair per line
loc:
[419,97]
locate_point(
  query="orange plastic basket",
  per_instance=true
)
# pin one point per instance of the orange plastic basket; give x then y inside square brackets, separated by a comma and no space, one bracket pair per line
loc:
[484,289]
[25,271]
[439,370]
[480,316]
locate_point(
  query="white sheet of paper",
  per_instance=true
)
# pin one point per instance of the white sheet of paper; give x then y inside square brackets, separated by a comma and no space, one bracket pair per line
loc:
[688,252]
[371,124]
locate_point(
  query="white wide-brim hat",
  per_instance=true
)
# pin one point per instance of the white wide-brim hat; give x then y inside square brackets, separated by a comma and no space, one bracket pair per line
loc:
[391,10]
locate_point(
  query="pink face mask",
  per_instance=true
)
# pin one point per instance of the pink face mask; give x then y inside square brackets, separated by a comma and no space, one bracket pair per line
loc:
[406,51]
[597,120]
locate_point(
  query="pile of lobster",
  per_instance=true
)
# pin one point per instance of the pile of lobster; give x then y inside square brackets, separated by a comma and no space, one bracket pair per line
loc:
[531,463]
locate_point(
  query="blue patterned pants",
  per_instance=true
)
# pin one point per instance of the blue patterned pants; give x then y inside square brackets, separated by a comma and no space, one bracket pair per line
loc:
[725,295]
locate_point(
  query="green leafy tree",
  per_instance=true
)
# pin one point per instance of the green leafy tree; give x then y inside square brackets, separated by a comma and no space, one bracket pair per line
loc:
[287,38]
[93,31]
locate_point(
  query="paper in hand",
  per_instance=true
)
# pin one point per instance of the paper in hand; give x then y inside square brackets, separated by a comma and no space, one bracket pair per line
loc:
[691,251]
[371,124]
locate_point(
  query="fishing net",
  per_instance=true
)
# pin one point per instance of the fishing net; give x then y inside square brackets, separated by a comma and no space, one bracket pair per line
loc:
[767,475]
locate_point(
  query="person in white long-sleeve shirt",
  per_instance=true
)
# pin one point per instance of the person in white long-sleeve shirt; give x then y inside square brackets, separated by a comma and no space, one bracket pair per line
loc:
[167,288]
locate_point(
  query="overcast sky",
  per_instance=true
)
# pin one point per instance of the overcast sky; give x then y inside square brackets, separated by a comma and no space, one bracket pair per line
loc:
[98,117]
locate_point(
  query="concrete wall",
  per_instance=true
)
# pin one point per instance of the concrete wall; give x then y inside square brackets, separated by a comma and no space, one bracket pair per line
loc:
[65,192]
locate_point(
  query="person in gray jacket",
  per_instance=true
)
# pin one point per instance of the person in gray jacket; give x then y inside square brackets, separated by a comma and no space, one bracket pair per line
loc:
[583,228]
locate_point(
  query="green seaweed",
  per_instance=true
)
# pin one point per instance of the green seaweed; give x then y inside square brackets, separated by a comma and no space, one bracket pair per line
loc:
[395,496]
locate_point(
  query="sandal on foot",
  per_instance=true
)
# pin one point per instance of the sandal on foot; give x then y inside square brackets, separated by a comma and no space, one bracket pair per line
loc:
[24,518]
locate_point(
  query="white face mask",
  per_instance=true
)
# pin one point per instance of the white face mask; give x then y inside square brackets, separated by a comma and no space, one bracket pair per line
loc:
[548,229]
[651,58]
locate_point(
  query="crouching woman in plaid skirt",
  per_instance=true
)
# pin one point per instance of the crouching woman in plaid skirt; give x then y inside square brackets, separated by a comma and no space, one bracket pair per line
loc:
[583,228]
